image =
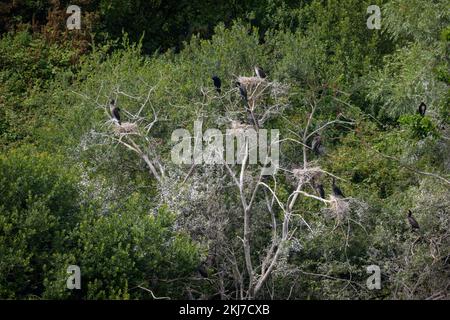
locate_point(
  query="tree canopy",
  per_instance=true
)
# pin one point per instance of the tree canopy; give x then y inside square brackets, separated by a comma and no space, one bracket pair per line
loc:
[78,188]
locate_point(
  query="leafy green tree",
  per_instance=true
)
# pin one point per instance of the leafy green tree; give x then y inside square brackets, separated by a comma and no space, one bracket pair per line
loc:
[39,209]
[28,67]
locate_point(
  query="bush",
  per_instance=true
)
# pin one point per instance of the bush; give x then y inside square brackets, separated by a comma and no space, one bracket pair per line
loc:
[38,209]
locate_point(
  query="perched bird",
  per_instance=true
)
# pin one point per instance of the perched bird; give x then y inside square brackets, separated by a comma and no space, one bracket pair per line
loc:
[320,190]
[422,109]
[316,145]
[336,191]
[260,72]
[114,111]
[413,222]
[217,83]
[242,91]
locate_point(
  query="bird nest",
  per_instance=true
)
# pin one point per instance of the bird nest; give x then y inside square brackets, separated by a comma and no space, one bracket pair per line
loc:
[306,175]
[126,128]
[339,208]
[255,87]
[248,82]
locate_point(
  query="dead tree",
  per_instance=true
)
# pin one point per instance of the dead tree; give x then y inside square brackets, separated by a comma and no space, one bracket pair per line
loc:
[265,100]
[134,133]
[258,272]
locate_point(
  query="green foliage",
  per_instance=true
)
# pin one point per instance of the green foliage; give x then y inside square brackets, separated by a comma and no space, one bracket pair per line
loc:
[409,74]
[405,81]
[72,195]
[415,19]
[38,209]
[28,67]
[126,249]
[43,230]
[419,126]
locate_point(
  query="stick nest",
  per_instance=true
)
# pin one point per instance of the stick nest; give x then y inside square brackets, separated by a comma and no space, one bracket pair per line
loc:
[255,87]
[126,128]
[339,208]
[306,175]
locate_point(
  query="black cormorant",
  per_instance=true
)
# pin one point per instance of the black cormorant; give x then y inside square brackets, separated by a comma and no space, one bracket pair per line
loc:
[320,190]
[422,109]
[413,222]
[336,191]
[114,111]
[242,91]
[260,72]
[217,83]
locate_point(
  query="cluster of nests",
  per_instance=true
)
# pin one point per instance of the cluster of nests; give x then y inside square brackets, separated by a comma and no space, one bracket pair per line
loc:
[338,206]
[250,89]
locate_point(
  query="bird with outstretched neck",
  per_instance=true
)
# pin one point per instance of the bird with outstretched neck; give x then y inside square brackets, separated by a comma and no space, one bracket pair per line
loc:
[413,222]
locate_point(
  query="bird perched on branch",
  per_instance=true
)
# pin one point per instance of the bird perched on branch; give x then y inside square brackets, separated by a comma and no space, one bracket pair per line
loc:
[422,109]
[217,83]
[260,72]
[316,145]
[242,91]
[336,191]
[114,111]
[413,222]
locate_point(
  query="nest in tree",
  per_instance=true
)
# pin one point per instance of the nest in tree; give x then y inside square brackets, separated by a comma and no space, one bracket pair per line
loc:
[339,207]
[255,87]
[126,128]
[248,82]
[306,175]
